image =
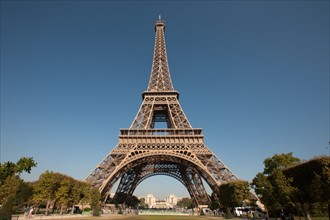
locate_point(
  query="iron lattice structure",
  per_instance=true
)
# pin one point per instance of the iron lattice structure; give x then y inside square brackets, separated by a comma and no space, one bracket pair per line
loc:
[177,151]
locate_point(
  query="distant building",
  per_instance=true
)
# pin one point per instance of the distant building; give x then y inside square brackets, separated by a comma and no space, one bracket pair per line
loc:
[150,200]
[170,201]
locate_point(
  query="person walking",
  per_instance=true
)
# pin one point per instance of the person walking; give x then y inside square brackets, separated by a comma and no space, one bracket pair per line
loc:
[27,211]
[30,212]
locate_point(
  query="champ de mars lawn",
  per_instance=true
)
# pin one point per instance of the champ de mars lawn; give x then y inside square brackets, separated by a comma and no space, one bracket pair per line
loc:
[146,217]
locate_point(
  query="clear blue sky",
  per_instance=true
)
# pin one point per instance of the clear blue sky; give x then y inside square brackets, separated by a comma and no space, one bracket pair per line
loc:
[253,74]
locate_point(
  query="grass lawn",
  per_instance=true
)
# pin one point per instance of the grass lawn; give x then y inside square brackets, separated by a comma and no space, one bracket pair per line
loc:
[166,217]
[148,217]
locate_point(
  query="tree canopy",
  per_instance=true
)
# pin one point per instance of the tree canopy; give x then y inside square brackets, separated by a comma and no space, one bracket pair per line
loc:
[234,193]
[288,184]
[24,164]
[280,162]
[13,190]
[54,188]
[185,203]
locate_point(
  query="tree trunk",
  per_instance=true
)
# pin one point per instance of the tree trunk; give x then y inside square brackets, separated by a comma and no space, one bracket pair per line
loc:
[47,207]
[329,209]
[61,212]
[306,212]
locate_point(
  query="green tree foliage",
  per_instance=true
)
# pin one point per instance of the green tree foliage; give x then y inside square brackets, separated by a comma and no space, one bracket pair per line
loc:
[312,180]
[80,192]
[215,203]
[8,191]
[129,200]
[132,202]
[8,168]
[13,191]
[46,187]
[56,188]
[272,186]
[275,191]
[286,183]
[234,193]
[280,162]
[263,189]
[25,164]
[120,198]
[142,203]
[95,197]
[185,203]
[24,194]
[9,188]
[282,190]
[63,193]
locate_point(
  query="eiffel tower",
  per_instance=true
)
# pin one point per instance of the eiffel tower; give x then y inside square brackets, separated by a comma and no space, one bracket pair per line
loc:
[177,151]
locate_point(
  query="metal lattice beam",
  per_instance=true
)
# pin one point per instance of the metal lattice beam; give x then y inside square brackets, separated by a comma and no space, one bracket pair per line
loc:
[160,79]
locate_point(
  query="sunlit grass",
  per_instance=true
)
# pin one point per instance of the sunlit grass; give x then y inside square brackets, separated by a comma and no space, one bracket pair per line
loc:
[165,217]
[148,217]
[319,218]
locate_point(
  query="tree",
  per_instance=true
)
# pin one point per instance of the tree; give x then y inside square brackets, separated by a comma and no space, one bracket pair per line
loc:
[273,187]
[46,187]
[24,164]
[234,193]
[24,194]
[280,162]
[282,190]
[215,203]
[312,180]
[142,203]
[13,191]
[132,202]
[121,198]
[263,189]
[185,203]
[7,169]
[80,193]
[8,191]
[95,197]
[63,193]
[57,188]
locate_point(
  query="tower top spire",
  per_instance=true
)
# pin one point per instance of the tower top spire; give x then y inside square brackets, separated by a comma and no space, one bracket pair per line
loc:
[160,22]
[160,79]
